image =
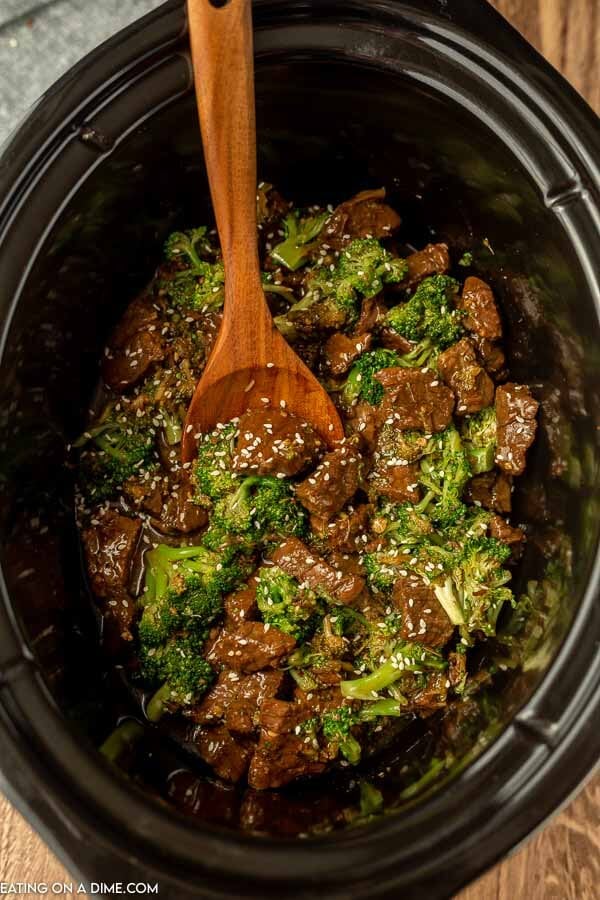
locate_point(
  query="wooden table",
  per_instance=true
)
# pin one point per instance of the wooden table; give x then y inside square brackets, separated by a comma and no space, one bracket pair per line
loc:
[563,861]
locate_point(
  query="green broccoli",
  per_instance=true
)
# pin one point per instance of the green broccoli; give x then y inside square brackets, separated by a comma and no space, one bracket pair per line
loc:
[183,671]
[333,294]
[430,314]
[285,604]
[406,657]
[260,507]
[184,588]
[478,433]
[300,234]
[200,284]
[360,384]
[466,259]
[212,474]
[336,726]
[444,474]
[117,448]
[401,524]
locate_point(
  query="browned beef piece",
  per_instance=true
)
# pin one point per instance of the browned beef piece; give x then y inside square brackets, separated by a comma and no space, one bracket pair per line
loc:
[394,341]
[228,757]
[372,314]
[270,206]
[274,441]
[240,606]
[135,345]
[433,259]
[236,700]
[423,618]
[492,357]
[344,533]
[335,481]
[362,422]
[308,567]
[457,668]
[109,546]
[364,215]
[433,696]
[251,647]
[341,350]
[282,755]
[508,534]
[473,387]
[169,502]
[348,563]
[145,492]
[317,702]
[399,482]
[516,412]
[415,400]
[492,490]
[481,312]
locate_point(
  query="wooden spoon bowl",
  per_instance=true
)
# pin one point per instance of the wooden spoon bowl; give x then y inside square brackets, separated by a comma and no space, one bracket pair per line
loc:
[251,365]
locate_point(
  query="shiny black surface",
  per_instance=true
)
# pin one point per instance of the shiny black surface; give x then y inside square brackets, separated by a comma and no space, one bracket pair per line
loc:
[475,137]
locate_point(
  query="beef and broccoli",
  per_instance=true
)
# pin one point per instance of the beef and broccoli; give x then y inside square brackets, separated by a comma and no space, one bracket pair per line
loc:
[295,604]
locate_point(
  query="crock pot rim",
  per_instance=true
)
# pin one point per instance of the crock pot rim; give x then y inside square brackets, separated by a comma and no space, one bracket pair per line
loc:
[17,674]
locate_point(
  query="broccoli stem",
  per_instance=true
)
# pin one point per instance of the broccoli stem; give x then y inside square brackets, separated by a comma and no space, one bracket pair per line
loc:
[385,707]
[124,737]
[157,705]
[406,657]
[446,595]
[350,749]
[436,767]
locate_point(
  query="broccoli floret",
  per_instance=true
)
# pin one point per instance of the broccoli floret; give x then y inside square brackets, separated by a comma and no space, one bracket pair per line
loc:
[300,234]
[333,295]
[394,444]
[444,474]
[200,285]
[212,474]
[360,384]
[424,353]
[184,588]
[337,729]
[183,671]
[260,507]
[285,605]
[401,524]
[479,439]
[430,313]
[406,657]
[116,449]
[466,259]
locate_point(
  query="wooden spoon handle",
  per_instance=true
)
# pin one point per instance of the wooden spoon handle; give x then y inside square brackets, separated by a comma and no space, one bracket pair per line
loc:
[222,54]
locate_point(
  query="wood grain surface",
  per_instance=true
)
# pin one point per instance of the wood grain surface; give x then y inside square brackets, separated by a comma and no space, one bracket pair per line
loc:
[563,861]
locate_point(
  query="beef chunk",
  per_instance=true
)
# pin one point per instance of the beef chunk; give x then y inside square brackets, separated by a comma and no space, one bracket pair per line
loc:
[345,532]
[481,312]
[415,400]
[109,546]
[236,700]
[492,490]
[335,481]
[492,357]
[433,259]
[423,618]
[145,493]
[398,482]
[390,339]
[364,215]
[227,756]
[317,702]
[283,755]
[135,345]
[430,697]
[251,647]
[502,531]
[372,314]
[179,513]
[274,441]
[308,567]
[340,351]
[362,422]
[457,669]
[240,606]
[473,387]
[516,412]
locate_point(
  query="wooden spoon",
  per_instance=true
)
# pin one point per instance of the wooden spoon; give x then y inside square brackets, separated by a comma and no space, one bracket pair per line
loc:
[251,364]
